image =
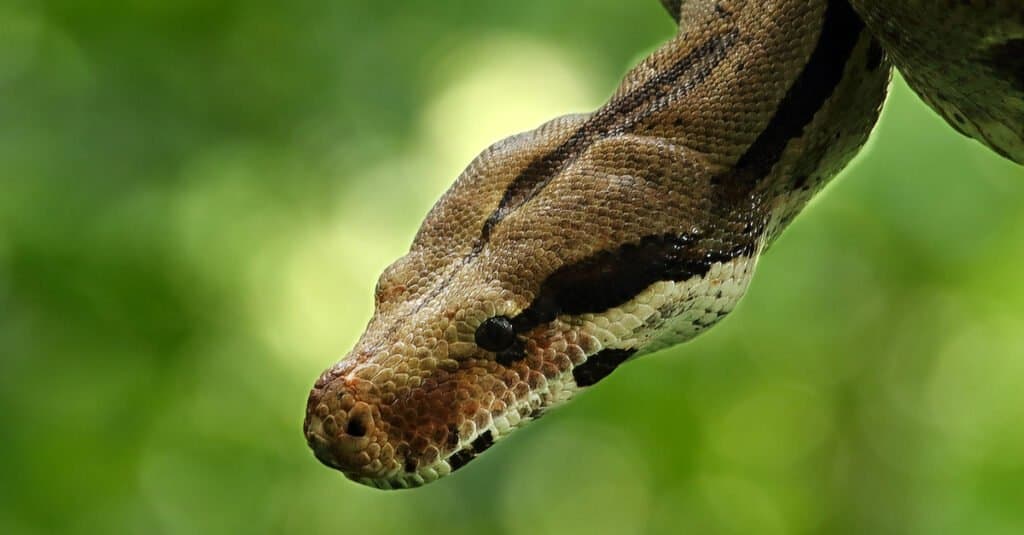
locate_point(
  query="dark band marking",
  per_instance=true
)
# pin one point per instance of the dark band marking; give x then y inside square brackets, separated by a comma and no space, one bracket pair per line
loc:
[673,7]
[875,55]
[1007,60]
[611,278]
[599,365]
[808,94]
[478,446]
[617,117]
[460,458]
[482,442]
[453,436]
[513,354]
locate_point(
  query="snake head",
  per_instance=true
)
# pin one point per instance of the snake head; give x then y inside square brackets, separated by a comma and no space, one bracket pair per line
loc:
[417,400]
[510,300]
[562,252]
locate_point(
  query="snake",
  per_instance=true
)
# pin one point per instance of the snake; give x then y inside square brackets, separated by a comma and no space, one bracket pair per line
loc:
[563,252]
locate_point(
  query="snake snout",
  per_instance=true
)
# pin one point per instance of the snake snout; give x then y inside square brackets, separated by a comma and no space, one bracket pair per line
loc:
[342,430]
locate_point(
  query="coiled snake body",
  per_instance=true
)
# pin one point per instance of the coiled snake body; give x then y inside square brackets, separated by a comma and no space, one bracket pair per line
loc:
[561,252]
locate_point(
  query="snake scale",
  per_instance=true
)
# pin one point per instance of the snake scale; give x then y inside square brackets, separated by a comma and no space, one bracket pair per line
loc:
[561,252]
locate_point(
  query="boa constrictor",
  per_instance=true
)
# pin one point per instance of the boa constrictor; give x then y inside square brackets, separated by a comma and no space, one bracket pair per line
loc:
[562,252]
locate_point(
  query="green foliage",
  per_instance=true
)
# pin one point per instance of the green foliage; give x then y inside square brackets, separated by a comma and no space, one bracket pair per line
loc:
[197,197]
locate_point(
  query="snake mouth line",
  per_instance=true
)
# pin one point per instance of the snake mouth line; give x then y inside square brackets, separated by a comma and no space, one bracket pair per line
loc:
[526,409]
[455,460]
[459,457]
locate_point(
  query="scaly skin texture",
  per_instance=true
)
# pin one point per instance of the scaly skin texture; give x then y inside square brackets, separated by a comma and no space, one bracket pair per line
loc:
[563,251]
[965,58]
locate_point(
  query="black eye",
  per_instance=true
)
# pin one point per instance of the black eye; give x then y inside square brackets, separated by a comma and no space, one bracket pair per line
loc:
[495,334]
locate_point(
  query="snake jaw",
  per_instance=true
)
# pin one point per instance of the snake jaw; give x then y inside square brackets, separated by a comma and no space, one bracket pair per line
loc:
[389,435]
[499,425]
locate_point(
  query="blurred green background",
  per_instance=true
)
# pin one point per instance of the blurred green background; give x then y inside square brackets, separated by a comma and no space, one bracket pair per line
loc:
[197,197]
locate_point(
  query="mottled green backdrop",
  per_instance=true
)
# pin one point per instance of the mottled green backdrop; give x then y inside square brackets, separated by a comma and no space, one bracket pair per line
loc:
[196,197]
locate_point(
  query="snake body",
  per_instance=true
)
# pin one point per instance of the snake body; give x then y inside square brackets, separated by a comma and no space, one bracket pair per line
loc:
[966,62]
[562,252]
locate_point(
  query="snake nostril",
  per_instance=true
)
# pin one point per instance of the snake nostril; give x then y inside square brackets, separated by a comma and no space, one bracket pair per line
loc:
[356,428]
[358,422]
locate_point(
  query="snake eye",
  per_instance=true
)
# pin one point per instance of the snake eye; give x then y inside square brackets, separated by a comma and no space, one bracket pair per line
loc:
[495,334]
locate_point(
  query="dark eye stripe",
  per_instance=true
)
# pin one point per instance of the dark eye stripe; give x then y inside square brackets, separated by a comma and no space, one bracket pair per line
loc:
[611,278]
